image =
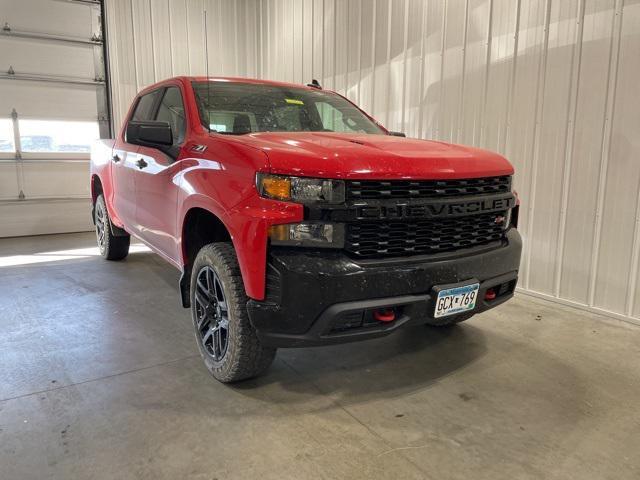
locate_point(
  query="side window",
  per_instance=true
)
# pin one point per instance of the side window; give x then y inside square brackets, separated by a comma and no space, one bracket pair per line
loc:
[144,108]
[172,110]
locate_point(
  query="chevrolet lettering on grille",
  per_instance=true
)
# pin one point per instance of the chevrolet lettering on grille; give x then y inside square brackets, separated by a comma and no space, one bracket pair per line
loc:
[469,206]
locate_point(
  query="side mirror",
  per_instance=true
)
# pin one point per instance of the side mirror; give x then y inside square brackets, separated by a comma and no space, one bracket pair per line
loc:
[149,134]
[397,134]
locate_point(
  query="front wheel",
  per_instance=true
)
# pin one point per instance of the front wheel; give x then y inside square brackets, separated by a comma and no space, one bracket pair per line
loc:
[227,342]
[111,247]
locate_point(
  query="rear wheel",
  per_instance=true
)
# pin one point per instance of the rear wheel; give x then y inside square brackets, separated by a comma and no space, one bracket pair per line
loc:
[227,342]
[111,247]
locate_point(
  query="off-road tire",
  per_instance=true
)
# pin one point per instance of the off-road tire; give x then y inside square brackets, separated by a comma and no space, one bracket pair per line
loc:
[111,247]
[245,357]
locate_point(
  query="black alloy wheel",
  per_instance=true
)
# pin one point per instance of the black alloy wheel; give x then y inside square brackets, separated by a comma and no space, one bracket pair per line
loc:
[110,246]
[228,343]
[101,225]
[212,313]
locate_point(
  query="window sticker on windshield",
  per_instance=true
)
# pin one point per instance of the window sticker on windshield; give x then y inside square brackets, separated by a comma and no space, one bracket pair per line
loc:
[293,101]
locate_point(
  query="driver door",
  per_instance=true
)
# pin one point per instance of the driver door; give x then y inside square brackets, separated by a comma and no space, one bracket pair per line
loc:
[156,191]
[124,168]
[124,189]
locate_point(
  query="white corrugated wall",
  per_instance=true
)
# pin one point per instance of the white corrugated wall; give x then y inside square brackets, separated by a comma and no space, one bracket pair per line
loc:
[551,84]
[150,40]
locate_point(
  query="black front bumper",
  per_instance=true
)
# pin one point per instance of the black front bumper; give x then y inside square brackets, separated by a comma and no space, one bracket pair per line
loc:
[325,297]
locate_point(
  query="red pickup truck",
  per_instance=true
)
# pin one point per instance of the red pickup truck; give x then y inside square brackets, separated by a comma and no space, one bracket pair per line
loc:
[296,219]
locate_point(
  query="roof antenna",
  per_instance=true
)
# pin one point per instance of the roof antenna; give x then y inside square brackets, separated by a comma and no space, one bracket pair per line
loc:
[206,52]
[314,84]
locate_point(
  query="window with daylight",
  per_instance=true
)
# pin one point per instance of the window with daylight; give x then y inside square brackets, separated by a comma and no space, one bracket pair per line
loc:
[57,136]
[6,135]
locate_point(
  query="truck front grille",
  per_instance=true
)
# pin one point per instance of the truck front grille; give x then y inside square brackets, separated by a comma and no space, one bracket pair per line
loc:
[375,239]
[381,189]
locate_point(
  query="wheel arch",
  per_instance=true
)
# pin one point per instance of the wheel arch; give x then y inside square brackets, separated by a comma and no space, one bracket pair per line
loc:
[96,189]
[199,228]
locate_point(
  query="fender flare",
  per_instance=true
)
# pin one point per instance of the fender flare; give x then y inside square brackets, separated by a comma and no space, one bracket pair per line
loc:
[208,204]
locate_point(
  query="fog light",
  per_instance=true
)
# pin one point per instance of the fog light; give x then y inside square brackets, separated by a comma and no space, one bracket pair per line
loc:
[321,232]
[308,235]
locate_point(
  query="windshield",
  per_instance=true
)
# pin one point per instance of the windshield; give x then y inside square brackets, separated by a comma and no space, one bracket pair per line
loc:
[240,108]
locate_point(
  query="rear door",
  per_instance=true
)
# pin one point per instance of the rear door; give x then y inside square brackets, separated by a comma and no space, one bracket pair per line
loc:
[124,167]
[156,191]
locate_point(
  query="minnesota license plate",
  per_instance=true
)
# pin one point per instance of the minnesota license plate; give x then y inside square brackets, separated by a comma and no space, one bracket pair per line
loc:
[456,300]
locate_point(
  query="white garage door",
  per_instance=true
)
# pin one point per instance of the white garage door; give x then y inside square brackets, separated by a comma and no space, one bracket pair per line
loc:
[53,105]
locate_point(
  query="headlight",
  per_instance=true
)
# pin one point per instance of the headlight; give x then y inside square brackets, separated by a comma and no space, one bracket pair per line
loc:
[308,234]
[300,189]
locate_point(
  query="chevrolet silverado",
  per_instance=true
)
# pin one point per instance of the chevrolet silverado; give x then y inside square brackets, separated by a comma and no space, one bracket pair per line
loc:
[296,219]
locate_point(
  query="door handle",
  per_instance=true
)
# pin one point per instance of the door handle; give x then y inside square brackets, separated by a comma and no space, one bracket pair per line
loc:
[141,163]
[115,159]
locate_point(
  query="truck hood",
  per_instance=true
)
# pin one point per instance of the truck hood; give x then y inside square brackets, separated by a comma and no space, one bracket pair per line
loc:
[340,155]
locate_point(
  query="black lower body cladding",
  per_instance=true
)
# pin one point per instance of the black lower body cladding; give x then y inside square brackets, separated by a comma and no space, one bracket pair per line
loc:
[324,297]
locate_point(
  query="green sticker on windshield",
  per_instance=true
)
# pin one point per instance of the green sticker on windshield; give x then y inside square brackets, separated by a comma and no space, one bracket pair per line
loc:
[293,101]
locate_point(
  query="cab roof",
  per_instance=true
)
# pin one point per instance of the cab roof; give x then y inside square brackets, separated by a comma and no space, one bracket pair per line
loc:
[189,79]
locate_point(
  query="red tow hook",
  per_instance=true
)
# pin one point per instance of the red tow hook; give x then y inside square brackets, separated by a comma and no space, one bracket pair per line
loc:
[384,315]
[490,294]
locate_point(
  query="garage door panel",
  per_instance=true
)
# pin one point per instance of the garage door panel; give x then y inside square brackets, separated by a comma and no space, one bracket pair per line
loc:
[51,168]
[59,18]
[51,101]
[20,52]
[8,181]
[57,216]
[46,179]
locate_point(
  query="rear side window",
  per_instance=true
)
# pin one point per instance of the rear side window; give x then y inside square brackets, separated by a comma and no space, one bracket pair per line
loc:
[144,108]
[172,111]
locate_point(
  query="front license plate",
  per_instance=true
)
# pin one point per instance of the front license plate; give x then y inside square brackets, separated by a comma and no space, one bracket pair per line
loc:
[456,300]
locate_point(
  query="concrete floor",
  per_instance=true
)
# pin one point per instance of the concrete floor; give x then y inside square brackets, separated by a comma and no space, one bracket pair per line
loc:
[100,378]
